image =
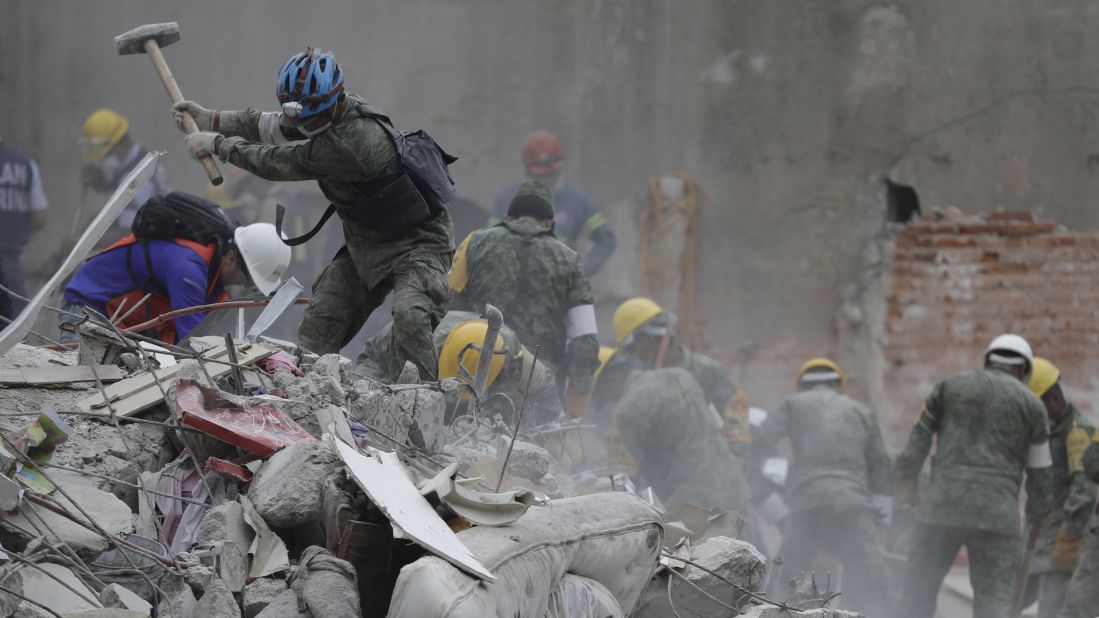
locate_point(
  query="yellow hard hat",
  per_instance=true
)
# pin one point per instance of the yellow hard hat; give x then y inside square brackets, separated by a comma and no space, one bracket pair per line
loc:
[818,363]
[102,130]
[1043,376]
[605,354]
[631,314]
[463,344]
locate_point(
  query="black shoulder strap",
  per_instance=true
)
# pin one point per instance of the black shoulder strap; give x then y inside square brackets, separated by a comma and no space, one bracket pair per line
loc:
[367,110]
[280,212]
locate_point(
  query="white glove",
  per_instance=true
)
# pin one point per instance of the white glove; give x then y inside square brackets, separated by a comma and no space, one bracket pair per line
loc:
[202,143]
[204,118]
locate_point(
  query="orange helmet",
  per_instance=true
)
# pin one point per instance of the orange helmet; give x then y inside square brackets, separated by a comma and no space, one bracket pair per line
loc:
[542,154]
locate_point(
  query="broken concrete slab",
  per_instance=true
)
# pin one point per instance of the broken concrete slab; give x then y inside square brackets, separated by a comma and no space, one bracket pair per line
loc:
[120,597]
[335,366]
[736,561]
[261,593]
[217,602]
[12,579]
[178,599]
[394,412]
[772,611]
[225,522]
[107,510]
[108,612]
[45,589]
[528,461]
[284,606]
[287,489]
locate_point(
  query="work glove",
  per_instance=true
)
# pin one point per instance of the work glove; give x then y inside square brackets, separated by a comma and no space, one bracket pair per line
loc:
[204,118]
[1066,552]
[576,403]
[904,496]
[202,143]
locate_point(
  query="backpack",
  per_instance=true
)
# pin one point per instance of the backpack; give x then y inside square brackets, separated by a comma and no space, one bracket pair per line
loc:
[415,187]
[178,215]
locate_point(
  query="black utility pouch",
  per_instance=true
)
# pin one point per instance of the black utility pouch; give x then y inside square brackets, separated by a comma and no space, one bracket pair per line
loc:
[392,206]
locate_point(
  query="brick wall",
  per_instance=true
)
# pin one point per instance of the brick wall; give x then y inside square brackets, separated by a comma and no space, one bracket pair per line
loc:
[957,281]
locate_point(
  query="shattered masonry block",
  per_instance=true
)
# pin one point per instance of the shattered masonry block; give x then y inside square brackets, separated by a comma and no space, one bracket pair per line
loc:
[528,461]
[287,489]
[284,606]
[335,366]
[261,593]
[736,561]
[395,413]
[217,602]
[225,522]
[772,611]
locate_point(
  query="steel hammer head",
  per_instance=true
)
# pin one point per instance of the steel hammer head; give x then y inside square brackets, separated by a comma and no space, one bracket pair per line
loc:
[133,42]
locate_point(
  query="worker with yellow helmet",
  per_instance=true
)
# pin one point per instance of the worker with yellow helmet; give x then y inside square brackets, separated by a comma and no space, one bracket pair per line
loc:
[1057,552]
[458,340]
[645,339]
[837,485]
[110,153]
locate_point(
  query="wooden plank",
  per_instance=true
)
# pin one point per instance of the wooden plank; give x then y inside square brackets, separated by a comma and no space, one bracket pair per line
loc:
[37,376]
[140,392]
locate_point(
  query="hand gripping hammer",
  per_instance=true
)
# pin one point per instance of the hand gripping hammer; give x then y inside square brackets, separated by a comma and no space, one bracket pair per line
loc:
[148,39]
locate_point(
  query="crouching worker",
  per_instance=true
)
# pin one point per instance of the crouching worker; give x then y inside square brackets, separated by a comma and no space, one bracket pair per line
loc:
[183,251]
[458,341]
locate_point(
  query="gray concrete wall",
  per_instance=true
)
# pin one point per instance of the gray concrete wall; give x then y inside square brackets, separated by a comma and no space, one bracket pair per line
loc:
[789,112]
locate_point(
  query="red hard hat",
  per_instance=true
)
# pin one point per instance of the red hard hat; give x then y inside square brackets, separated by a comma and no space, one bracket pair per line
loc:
[542,154]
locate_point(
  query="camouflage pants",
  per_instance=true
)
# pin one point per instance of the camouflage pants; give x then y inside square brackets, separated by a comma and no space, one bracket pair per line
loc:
[342,303]
[848,536]
[1082,598]
[992,565]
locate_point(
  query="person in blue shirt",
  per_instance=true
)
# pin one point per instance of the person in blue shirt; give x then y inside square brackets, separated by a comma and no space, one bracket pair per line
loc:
[178,273]
[575,215]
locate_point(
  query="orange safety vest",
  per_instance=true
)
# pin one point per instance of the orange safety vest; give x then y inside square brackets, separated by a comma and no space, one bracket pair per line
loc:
[158,303]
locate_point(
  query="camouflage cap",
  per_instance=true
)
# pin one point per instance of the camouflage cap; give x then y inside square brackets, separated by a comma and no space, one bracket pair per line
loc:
[532,199]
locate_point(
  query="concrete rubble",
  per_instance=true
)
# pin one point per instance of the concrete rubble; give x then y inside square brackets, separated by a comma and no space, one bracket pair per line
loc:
[299,530]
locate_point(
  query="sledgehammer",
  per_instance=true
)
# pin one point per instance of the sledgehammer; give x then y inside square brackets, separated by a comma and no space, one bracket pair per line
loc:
[148,39]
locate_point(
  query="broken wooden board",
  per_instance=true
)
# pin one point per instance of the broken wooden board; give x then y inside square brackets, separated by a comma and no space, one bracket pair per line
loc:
[43,376]
[140,392]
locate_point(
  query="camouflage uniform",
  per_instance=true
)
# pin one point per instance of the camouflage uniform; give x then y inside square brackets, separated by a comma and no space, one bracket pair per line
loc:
[352,151]
[673,432]
[538,283]
[839,460]
[1073,501]
[542,400]
[989,428]
[1082,595]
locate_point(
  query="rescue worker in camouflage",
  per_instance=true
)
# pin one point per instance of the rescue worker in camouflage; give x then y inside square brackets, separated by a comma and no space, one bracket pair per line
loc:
[322,134]
[1058,549]
[674,434]
[539,283]
[509,377]
[988,429]
[1082,595]
[839,466]
[645,337]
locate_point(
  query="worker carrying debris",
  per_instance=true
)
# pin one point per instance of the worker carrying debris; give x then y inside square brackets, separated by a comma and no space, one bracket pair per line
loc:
[110,153]
[645,337]
[398,234]
[1058,548]
[671,430]
[1082,595]
[539,283]
[182,252]
[577,218]
[989,428]
[840,466]
[458,338]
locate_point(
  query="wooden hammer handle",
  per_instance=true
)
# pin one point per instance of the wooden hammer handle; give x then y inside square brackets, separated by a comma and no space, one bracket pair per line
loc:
[152,49]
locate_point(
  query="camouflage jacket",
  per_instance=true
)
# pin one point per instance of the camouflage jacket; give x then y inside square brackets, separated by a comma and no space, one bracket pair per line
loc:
[990,427]
[537,282]
[674,434]
[839,454]
[1073,493]
[352,151]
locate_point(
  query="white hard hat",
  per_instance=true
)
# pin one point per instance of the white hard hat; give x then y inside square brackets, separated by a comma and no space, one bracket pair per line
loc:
[1011,343]
[264,253]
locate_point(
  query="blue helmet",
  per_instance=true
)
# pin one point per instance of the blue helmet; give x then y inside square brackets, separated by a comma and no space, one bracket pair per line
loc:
[310,82]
